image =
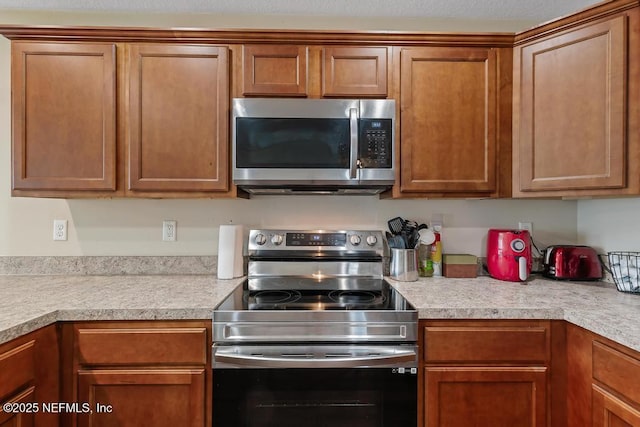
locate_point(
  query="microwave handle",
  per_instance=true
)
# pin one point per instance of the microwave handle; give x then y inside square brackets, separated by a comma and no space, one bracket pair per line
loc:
[353,135]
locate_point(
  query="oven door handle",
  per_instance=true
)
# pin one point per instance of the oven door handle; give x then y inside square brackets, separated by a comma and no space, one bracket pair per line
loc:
[239,356]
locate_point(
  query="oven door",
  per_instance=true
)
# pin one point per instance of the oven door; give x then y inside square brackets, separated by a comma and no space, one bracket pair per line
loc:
[321,386]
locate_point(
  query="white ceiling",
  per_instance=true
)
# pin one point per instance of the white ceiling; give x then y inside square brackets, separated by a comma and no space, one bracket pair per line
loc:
[532,10]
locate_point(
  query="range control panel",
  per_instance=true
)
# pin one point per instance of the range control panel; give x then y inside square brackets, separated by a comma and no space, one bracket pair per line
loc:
[314,240]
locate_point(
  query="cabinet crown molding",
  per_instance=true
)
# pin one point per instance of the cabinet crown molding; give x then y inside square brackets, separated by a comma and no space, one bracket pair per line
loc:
[230,36]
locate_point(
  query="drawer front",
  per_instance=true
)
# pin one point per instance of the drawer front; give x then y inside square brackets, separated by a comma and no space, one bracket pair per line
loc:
[131,346]
[490,344]
[616,370]
[17,368]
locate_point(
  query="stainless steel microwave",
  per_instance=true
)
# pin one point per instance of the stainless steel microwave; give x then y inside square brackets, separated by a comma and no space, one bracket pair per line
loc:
[302,146]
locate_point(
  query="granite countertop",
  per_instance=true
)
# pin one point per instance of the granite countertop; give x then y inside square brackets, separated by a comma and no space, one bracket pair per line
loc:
[31,302]
[596,306]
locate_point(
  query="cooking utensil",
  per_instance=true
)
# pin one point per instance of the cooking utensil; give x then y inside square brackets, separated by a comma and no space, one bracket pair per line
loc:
[396,225]
[396,242]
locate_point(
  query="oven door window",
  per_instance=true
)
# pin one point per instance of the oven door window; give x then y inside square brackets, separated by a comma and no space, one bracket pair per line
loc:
[296,143]
[357,397]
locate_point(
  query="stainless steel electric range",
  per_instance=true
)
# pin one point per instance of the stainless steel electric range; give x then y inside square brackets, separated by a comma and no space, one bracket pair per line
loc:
[315,336]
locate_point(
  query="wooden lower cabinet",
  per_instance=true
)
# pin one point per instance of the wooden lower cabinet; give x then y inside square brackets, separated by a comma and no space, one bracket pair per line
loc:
[610,411]
[130,374]
[137,397]
[603,381]
[485,396]
[29,378]
[486,373]
[19,419]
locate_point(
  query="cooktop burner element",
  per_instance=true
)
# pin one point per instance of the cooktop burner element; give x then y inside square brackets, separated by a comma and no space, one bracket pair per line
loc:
[275,297]
[354,297]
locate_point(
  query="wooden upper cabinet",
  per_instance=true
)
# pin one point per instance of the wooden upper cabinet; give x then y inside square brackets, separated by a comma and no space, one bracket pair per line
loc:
[571,110]
[448,105]
[178,118]
[64,116]
[278,70]
[354,71]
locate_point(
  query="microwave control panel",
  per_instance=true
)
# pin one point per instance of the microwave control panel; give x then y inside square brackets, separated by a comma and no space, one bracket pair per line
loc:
[376,143]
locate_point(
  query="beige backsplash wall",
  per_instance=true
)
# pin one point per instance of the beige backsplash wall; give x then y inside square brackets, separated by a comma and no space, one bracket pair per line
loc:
[133,227]
[610,225]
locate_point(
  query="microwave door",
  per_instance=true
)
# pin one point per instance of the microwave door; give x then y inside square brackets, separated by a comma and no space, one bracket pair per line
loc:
[297,151]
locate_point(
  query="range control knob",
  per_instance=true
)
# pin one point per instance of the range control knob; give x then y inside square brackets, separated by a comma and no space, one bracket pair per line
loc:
[355,239]
[260,239]
[276,239]
[372,240]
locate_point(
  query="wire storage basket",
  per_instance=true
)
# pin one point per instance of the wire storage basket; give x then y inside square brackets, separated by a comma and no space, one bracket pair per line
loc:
[625,269]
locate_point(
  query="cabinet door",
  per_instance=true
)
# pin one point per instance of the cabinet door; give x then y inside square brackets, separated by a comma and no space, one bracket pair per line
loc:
[133,398]
[64,113]
[609,411]
[24,416]
[178,118]
[448,120]
[354,71]
[279,70]
[571,116]
[485,396]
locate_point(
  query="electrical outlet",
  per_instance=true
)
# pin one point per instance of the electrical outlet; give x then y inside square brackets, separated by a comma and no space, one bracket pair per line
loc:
[526,226]
[169,230]
[59,229]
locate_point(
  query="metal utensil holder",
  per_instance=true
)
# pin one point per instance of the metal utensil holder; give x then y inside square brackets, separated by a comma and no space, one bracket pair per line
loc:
[625,269]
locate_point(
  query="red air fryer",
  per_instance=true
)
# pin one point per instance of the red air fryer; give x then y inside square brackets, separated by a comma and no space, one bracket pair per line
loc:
[509,254]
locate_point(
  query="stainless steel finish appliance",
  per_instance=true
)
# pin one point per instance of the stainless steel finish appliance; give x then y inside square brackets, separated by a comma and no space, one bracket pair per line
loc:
[315,333]
[302,146]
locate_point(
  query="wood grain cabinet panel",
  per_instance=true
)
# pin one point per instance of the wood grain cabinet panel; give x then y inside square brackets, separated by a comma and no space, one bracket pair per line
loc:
[278,70]
[354,71]
[617,370]
[485,396]
[155,373]
[178,118]
[20,418]
[18,368]
[159,398]
[29,377]
[448,120]
[572,113]
[135,346]
[64,116]
[486,373]
[610,411]
[486,344]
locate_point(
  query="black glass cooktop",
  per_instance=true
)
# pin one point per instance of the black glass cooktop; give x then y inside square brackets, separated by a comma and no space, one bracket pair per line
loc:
[382,297]
[315,300]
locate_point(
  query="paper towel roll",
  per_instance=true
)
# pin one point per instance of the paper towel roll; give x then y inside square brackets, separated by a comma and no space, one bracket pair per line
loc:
[230,242]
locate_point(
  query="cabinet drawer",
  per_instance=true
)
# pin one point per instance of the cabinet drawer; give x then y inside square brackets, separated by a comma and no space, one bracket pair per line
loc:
[486,344]
[616,370]
[17,368]
[130,346]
